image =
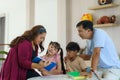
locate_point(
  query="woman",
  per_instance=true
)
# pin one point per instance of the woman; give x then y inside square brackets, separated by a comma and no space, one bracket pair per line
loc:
[19,65]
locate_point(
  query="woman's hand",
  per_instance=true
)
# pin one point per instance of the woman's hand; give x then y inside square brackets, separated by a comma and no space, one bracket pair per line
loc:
[44,63]
[37,66]
[44,72]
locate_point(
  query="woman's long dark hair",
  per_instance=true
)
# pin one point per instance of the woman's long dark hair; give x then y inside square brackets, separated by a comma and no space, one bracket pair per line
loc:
[57,46]
[29,35]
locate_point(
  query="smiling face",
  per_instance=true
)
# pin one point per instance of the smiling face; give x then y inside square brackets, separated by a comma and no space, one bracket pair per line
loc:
[39,38]
[52,50]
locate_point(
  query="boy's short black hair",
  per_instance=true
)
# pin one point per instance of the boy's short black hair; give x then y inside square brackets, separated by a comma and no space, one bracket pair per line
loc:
[86,24]
[72,46]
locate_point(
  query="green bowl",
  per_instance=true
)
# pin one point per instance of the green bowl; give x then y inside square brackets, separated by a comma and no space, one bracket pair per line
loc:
[74,73]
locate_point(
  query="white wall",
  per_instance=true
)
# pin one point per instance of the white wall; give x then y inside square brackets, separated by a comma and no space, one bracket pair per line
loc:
[23,14]
[16,21]
[52,14]
[62,23]
[58,16]
[79,7]
[46,15]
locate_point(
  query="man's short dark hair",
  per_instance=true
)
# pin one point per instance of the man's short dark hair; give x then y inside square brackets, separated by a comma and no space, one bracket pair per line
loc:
[85,24]
[73,46]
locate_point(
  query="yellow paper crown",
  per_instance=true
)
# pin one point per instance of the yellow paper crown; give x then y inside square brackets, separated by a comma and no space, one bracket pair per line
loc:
[87,17]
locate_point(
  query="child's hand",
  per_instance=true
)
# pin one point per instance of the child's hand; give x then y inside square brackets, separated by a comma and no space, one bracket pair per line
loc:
[42,63]
[86,74]
[45,72]
[68,70]
[65,59]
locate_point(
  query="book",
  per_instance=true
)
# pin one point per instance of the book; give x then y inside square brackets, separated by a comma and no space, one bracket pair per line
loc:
[49,67]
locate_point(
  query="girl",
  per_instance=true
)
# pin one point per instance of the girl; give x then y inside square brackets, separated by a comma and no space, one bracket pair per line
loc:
[54,54]
[18,64]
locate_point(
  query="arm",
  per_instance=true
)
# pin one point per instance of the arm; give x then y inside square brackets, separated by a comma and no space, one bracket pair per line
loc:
[52,72]
[23,55]
[95,58]
[82,64]
[37,66]
[85,56]
[68,68]
[84,67]
[58,70]
[24,52]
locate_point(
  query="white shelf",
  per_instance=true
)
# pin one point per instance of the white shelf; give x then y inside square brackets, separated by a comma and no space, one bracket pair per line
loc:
[105,25]
[103,6]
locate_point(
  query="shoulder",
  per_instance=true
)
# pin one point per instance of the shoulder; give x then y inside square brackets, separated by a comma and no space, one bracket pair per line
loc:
[99,31]
[98,34]
[25,42]
[57,57]
[43,57]
[79,58]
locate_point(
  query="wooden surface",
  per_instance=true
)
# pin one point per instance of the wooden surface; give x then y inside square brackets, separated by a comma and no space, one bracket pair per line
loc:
[103,6]
[105,25]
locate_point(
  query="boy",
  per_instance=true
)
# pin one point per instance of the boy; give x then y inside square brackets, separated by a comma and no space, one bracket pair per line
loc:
[73,61]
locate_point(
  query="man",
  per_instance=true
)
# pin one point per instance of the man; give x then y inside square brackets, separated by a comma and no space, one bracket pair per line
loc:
[101,49]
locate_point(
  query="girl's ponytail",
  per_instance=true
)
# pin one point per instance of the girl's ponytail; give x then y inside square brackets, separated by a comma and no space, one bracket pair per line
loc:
[62,61]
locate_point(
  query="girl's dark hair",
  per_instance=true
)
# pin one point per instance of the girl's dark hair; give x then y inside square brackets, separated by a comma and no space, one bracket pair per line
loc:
[29,35]
[57,46]
[72,46]
[86,24]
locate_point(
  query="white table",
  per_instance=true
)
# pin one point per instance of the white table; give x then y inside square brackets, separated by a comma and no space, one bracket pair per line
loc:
[52,77]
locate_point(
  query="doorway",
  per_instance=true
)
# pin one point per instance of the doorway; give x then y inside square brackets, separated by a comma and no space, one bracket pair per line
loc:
[2,36]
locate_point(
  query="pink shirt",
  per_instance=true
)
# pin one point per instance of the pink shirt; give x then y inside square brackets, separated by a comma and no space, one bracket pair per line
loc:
[55,59]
